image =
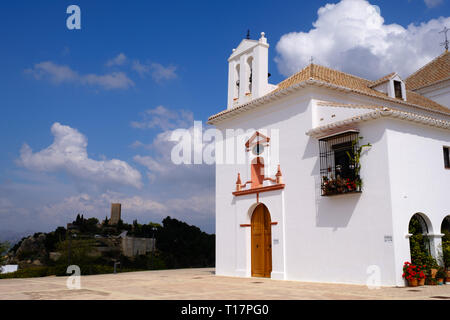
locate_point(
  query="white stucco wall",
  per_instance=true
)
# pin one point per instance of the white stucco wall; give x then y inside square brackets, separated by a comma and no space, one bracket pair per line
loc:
[439,92]
[339,238]
[324,239]
[419,181]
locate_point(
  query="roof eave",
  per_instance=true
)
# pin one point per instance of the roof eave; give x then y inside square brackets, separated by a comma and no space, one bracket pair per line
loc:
[322,131]
[283,92]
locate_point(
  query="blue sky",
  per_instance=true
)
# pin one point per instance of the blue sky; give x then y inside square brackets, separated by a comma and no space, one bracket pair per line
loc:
[104,83]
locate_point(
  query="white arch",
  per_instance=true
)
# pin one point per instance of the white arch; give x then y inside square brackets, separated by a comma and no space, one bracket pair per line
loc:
[429,225]
[252,208]
[447,217]
[237,82]
[249,73]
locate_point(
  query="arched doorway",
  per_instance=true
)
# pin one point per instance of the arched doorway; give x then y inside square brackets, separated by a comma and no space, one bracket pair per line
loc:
[445,230]
[419,242]
[261,242]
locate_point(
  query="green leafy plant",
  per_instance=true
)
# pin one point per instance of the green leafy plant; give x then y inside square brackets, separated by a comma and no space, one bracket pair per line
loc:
[4,246]
[355,159]
[440,274]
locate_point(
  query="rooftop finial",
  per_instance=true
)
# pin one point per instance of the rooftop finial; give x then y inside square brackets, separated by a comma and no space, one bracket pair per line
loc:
[445,43]
[248,34]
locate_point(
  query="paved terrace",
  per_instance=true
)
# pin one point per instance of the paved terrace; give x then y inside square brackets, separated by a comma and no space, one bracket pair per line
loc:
[199,284]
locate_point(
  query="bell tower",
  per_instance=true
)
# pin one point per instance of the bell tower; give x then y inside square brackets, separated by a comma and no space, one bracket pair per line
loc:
[248,71]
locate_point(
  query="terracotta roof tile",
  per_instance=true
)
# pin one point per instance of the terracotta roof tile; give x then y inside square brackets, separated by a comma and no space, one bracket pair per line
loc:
[316,74]
[357,84]
[383,79]
[435,71]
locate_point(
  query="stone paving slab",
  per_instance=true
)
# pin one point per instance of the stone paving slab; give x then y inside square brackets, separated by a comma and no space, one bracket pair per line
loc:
[201,284]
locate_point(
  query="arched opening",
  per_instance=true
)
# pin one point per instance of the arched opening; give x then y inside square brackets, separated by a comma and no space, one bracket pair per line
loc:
[445,230]
[237,77]
[257,172]
[419,242]
[250,74]
[261,242]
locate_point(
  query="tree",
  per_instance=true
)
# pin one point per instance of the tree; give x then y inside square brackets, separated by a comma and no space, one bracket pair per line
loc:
[81,251]
[4,246]
[185,246]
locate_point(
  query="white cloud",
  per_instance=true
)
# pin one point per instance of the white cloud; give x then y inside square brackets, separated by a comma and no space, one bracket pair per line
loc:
[114,80]
[351,36]
[433,3]
[187,179]
[157,71]
[133,207]
[140,68]
[68,153]
[99,206]
[163,118]
[59,74]
[119,60]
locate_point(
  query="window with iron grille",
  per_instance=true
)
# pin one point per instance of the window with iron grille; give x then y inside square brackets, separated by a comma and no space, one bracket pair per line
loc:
[337,164]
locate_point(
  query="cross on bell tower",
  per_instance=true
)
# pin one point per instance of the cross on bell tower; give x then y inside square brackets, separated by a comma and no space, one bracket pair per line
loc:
[446,42]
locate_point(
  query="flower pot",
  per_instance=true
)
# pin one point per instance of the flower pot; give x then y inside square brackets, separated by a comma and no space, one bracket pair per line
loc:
[440,281]
[447,280]
[421,282]
[433,273]
[412,283]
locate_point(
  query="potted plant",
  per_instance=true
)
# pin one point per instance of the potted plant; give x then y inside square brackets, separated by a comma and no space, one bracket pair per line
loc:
[355,160]
[411,274]
[434,272]
[421,271]
[440,275]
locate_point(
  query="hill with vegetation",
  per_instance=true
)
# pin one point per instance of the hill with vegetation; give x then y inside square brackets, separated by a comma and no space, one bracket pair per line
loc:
[96,248]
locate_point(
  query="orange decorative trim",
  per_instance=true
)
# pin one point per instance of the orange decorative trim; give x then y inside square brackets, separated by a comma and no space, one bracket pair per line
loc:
[249,143]
[258,190]
[238,181]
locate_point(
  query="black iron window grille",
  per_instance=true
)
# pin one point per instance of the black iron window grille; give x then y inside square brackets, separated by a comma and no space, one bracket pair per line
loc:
[338,165]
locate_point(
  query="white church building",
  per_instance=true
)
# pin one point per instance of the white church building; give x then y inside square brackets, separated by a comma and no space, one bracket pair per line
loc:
[322,172]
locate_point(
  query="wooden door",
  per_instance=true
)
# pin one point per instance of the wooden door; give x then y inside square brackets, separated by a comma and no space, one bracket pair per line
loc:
[261,242]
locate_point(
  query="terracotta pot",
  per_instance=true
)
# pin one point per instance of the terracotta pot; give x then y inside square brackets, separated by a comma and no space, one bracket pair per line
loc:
[421,282]
[433,273]
[412,283]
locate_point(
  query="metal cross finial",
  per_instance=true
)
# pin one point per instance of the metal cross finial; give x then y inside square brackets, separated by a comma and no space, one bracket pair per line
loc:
[445,43]
[248,34]
[311,60]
